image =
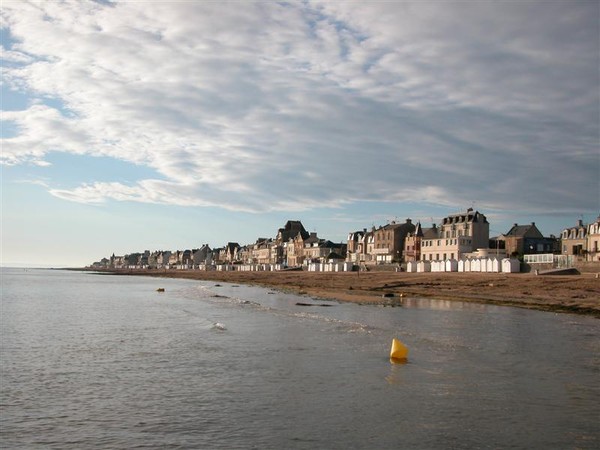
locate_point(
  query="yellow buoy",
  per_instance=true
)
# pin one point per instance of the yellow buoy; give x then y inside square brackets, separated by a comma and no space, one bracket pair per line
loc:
[399,352]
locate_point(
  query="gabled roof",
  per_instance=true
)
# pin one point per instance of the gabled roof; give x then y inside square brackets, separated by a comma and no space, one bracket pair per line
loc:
[524,231]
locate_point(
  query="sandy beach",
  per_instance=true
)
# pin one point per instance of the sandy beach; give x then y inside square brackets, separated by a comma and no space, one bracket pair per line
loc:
[557,293]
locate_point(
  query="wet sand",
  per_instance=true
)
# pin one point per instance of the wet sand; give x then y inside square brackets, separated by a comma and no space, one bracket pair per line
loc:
[558,293]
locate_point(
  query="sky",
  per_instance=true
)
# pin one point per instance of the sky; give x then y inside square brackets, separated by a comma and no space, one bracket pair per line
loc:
[131,126]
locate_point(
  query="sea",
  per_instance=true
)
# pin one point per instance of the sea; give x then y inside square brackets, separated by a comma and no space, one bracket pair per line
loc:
[94,361]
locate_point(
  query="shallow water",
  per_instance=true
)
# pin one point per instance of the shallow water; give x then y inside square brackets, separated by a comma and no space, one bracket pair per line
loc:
[100,361]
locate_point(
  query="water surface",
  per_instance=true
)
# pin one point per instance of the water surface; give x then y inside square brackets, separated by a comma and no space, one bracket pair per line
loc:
[99,361]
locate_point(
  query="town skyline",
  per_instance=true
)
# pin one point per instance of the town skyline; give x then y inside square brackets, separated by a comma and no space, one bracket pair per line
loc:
[129,125]
[391,243]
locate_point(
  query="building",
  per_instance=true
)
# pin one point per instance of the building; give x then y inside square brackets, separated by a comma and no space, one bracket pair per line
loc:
[413,241]
[281,248]
[388,241]
[526,240]
[574,240]
[593,241]
[457,235]
[262,252]
[202,255]
[322,250]
[230,253]
[357,246]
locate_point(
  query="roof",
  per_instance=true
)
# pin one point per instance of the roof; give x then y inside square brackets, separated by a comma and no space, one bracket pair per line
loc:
[468,216]
[334,255]
[430,233]
[524,231]
[291,230]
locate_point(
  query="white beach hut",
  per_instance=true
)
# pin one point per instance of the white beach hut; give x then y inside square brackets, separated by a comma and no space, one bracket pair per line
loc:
[466,265]
[493,265]
[511,265]
[424,266]
[411,266]
[451,265]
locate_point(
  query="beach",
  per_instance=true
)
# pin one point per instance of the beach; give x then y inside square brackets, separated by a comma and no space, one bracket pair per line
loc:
[578,294]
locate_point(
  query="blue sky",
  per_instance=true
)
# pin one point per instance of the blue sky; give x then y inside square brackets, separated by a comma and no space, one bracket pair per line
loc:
[129,126]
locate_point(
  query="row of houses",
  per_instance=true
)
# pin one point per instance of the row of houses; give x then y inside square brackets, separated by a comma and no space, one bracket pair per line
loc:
[460,236]
[293,246]
[467,235]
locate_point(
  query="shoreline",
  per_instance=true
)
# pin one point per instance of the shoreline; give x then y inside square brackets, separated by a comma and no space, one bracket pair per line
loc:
[576,294]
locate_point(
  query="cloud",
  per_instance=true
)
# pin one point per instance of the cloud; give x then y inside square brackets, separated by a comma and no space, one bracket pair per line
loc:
[284,106]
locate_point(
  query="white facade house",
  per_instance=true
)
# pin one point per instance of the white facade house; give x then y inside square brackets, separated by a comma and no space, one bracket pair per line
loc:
[458,235]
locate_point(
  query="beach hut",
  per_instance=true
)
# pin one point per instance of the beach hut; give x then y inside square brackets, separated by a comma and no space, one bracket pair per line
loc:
[451,265]
[493,265]
[411,266]
[424,266]
[464,265]
[348,266]
[483,265]
[476,265]
[511,265]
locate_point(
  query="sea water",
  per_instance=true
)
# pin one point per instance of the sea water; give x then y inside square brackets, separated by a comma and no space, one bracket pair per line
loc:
[99,361]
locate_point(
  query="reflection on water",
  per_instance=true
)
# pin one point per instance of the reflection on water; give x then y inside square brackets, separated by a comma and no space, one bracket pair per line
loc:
[441,304]
[395,374]
[107,362]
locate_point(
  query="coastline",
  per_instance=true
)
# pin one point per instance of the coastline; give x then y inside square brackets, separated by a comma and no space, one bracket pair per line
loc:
[578,294]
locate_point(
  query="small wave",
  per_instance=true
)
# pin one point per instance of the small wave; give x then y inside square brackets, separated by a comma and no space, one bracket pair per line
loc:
[219,326]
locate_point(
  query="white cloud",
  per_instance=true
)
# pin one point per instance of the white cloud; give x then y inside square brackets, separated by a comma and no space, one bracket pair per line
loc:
[267,106]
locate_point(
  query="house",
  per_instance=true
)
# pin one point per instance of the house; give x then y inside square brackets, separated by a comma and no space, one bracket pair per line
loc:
[574,240]
[389,241]
[413,241]
[297,247]
[261,252]
[229,253]
[203,255]
[133,260]
[593,241]
[457,235]
[321,250]
[281,246]
[175,258]
[117,262]
[216,255]
[162,260]
[526,240]
[102,264]
[290,231]
[357,246]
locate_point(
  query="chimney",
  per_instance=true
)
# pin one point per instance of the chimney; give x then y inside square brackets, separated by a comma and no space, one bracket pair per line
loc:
[580,223]
[408,221]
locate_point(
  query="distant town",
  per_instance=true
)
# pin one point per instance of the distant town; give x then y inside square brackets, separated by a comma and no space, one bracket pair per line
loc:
[461,242]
